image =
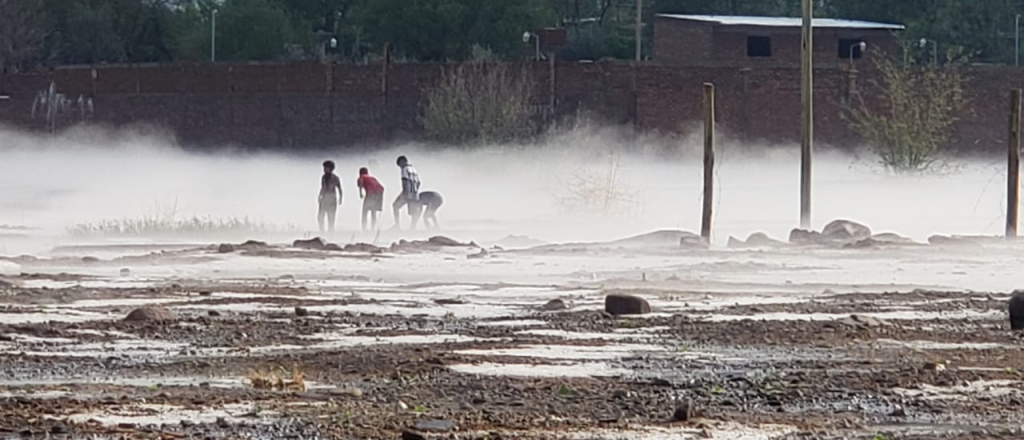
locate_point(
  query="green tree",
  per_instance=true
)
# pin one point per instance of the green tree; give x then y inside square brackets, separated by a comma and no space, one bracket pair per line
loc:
[438,30]
[254,30]
[22,28]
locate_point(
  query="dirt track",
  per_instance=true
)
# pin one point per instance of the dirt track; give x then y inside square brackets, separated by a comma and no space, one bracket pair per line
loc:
[483,360]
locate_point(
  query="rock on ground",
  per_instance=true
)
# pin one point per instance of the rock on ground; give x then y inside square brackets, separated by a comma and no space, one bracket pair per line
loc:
[554,305]
[301,312]
[1016,308]
[225,248]
[864,322]
[757,239]
[363,247]
[845,230]
[803,236]
[626,305]
[316,244]
[148,314]
[684,411]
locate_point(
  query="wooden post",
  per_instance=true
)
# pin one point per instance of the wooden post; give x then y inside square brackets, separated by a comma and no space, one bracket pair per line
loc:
[709,160]
[1013,167]
[807,121]
[385,84]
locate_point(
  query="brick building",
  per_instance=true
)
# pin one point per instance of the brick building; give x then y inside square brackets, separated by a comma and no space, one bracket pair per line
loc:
[731,41]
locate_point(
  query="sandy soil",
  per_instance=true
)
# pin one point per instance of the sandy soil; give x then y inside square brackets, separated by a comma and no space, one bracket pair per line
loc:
[907,343]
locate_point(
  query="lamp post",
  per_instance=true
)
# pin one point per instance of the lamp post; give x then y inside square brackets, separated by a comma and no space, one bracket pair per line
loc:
[935,49]
[536,39]
[862,46]
[333,42]
[213,36]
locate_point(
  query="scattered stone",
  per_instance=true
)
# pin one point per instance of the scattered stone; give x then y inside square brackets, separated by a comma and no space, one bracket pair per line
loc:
[692,241]
[845,230]
[684,411]
[151,313]
[440,240]
[253,245]
[864,322]
[621,394]
[762,239]
[434,425]
[964,240]
[481,254]
[125,272]
[90,260]
[225,248]
[316,244]
[616,305]
[409,434]
[205,293]
[1016,309]
[363,247]
[301,312]
[347,392]
[805,237]
[223,423]
[554,305]
[333,248]
[213,314]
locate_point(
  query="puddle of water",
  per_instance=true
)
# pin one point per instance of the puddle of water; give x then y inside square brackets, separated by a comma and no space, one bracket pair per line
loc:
[729,431]
[981,388]
[933,345]
[39,395]
[35,340]
[44,316]
[342,340]
[513,323]
[567,352]
[577,335]
[155,415]
[133,348]
[894,316]
[585,369]
[140,382]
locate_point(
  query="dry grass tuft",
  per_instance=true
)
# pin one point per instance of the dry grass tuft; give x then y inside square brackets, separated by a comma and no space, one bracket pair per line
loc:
[278,380]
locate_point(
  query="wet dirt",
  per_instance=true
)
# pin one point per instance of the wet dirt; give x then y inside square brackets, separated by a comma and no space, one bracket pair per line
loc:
[375,358]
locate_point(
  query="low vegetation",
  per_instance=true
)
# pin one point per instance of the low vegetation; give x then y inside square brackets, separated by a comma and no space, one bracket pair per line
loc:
[480,102]
[907,115]
[278,379]
[169,226]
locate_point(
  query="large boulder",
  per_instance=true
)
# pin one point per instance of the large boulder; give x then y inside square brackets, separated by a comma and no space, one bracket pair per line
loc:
[1016,309]
[151,314]
[617,304]
[315,244]
[845,230]
[755,240]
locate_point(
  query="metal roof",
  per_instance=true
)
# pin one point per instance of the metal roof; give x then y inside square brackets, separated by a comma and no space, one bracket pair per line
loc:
[735,20]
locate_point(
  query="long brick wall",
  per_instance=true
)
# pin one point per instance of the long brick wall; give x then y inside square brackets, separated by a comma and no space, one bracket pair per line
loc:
[313,105]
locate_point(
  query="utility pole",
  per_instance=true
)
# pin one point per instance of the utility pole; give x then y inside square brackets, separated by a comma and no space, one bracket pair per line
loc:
[639,26]
[807,120]
[1016,41]
[709,161]
[213,36]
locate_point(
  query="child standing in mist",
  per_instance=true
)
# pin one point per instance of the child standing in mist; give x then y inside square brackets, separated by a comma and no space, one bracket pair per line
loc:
[373,200]
[329,183]
[409,195]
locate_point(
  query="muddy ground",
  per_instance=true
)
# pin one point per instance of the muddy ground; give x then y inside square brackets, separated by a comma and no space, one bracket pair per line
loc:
[353,354]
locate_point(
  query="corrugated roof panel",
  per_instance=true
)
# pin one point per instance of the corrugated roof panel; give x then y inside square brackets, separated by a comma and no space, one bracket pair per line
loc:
[735,20]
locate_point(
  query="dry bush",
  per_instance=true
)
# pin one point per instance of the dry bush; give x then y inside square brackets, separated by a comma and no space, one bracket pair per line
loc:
[271,380]
[911,120]
[598,189]
[480,102]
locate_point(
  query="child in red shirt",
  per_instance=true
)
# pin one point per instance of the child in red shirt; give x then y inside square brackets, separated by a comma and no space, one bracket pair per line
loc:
[373,202]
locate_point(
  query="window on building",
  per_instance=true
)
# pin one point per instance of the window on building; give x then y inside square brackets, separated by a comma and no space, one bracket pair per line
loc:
[759,46]
[848,46]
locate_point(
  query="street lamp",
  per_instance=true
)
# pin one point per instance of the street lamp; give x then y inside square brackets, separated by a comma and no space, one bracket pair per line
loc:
[862,46]
[536,38]
[935,49]
[213,36]
[332,42]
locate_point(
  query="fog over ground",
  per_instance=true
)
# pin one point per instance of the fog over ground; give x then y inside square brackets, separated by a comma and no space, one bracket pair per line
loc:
[83,176]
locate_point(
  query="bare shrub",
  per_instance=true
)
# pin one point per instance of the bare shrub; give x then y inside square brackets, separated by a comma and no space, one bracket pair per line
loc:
[598,189]
[480,102]
[908,115]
